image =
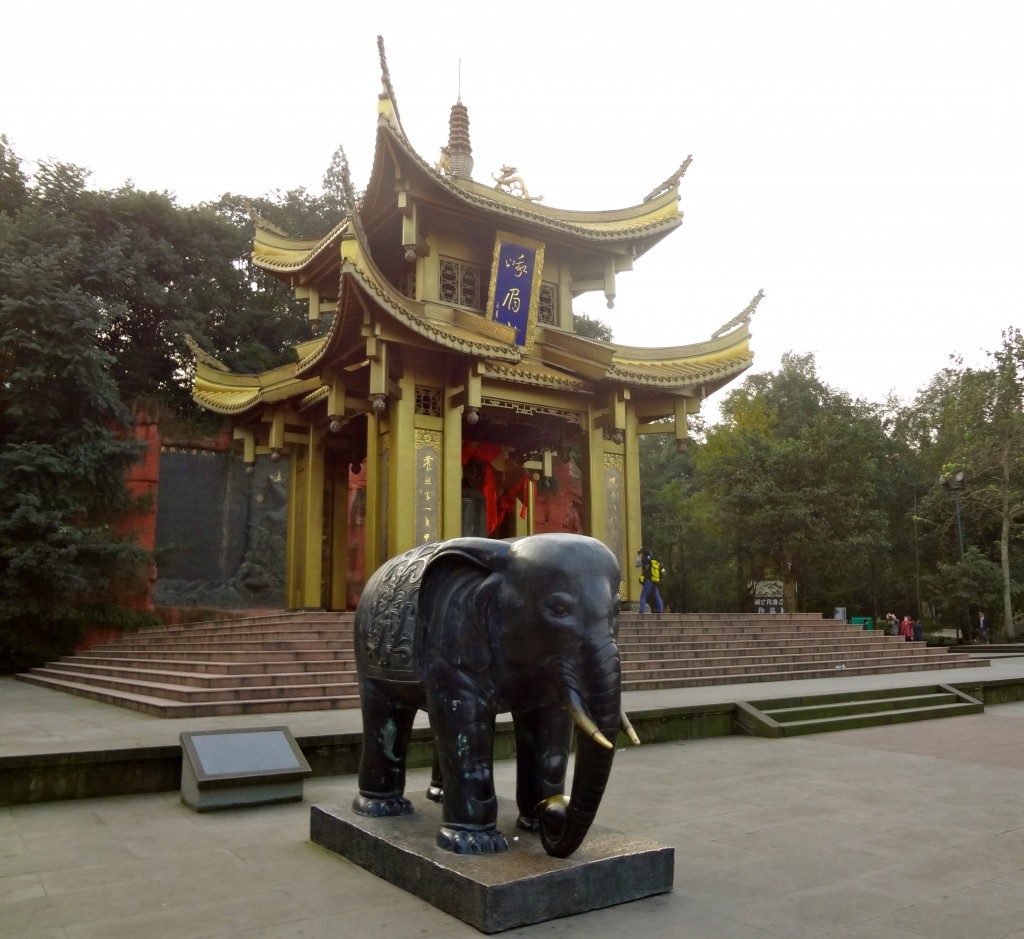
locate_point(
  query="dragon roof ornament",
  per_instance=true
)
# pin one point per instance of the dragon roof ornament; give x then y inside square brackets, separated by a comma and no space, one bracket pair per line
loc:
[385,79]
[742,318]
[673,180]
[260,222]
[204,357]
[509,181]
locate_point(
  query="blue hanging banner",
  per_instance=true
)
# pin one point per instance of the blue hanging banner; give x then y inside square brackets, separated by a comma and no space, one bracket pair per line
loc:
[515,284]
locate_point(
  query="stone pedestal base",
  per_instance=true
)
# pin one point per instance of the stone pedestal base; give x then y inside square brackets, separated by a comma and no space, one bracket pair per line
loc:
[520,887]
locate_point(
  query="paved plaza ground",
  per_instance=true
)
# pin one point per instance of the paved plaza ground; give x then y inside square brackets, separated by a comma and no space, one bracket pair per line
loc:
[897,832]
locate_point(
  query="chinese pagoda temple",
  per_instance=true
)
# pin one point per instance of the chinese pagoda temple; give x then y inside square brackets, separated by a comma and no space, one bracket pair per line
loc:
[445,386]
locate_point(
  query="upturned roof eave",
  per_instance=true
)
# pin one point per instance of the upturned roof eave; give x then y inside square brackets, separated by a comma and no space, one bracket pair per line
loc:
[704,366]
[643,224]
[639,354]
[281,255]
[235,393]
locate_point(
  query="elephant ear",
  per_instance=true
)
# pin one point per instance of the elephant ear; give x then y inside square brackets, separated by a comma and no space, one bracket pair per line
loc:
[456,599]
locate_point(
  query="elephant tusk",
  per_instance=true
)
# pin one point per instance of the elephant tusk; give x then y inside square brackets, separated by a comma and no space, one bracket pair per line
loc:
[627,728]
[584,721]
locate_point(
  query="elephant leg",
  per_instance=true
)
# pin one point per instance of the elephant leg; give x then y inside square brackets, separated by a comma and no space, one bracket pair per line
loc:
[387,727]
[463,729]
[543,735]
[435,791]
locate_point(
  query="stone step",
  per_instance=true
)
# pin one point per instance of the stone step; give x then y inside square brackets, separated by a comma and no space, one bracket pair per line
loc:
[631,651]
[630,616]
[876,718]
[173,691]
[270,643]
[285,631]
[731,666]
[695,632]
[819,713]
[694,678]
[826,709]
[267,666]
[711,658]
[162,707]
[224,655]
[195,679]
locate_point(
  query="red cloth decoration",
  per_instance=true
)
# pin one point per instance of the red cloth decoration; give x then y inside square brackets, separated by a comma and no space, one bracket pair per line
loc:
[486,453]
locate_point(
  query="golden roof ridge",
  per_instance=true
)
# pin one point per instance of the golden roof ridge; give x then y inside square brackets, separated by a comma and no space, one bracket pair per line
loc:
[535,373]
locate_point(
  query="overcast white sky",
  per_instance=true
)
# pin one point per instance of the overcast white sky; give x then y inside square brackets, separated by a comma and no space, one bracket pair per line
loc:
[862,161]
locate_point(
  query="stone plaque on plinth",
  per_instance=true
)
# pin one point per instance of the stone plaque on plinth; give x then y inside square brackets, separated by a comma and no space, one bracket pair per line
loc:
[522,886]
[227,769]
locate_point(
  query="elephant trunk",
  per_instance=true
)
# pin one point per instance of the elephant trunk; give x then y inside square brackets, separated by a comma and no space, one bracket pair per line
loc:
[565,823]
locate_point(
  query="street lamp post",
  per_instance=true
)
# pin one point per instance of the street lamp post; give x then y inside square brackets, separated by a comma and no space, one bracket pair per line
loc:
[917,567]
[955,482]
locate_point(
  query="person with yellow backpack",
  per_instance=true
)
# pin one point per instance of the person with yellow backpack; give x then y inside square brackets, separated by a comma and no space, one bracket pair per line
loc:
[651,572]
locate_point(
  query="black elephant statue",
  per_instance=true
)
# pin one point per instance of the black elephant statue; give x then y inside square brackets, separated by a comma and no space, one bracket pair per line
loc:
[473,627]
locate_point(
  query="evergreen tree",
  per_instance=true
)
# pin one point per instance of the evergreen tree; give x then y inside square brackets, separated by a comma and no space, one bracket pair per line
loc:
[63,460]
[792,474]
[13,181]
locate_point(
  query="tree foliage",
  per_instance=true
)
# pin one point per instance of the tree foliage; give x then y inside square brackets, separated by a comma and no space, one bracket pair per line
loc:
[98,291]
[970,433]
[62,459]
[793,471]
[844,501]
[161,272]
[591,327]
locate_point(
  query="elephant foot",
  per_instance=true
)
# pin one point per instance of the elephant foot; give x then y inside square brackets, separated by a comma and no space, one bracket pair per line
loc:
[460,841]
[381,806]
[435,793]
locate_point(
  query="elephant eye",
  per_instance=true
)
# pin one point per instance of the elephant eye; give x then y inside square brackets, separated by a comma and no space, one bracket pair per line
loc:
[559,606]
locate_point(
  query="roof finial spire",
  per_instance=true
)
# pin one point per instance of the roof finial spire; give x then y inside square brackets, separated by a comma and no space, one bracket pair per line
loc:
[385,79]
[457,156]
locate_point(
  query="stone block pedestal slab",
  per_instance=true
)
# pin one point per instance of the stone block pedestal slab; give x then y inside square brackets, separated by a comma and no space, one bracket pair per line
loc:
[493,893]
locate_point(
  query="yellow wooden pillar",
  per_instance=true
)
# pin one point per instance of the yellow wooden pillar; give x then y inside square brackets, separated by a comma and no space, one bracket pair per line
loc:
[451,469]
[596,496]
[400,521]
[633,532]
[313,536]
[378,446]
[338,466]
[606,474]
[295,539]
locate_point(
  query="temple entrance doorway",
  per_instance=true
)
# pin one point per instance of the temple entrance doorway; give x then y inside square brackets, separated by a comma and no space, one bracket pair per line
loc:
[513,461]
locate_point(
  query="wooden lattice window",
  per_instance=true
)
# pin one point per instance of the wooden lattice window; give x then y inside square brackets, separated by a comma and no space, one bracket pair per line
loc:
[428,401]
[546,307]
[462,284]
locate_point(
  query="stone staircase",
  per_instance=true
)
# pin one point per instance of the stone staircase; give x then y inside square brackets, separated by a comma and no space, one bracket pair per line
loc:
[787,717]
[262,664]
[691,649]
[281,662]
